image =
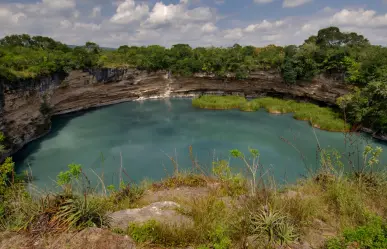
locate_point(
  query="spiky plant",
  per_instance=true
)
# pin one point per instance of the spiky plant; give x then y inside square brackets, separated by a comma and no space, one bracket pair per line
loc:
[285,233]
[272,223]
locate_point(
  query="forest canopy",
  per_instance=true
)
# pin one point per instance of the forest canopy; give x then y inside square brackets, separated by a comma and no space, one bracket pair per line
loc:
[347,57]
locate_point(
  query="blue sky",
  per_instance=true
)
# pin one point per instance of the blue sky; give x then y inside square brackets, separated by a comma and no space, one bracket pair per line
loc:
[196,22]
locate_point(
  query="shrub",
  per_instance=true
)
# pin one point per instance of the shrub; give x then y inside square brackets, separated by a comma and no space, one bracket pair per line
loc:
[231,184]
[373,235]
[182,179]
[147,232]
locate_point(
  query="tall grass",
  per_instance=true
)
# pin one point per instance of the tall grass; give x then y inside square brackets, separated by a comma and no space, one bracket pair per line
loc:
[320,117]
[228,215]
[218,102]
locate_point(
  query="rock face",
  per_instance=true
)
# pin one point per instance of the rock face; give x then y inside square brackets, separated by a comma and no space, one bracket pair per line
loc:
[163,212]
[20,102]
[90,238]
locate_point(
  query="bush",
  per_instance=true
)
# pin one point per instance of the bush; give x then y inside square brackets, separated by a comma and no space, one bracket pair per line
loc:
[231,184]
[147,232]
[373,235]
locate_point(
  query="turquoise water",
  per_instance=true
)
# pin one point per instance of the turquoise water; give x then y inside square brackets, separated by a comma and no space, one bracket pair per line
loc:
[146,133]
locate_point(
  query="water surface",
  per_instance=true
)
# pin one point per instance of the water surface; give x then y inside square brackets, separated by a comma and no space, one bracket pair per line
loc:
[147,133]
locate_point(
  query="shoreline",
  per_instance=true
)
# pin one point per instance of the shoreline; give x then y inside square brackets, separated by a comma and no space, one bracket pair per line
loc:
[171,96]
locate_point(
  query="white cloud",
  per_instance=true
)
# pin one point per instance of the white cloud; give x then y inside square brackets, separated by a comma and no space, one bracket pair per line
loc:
[128,11]
[233,34]
[7,16]
[294,3]
[263,1]
[65,24]
[177,14]
[59,4]
[95,12]
[209,28]
[359,18]
[219,2]
[136,22]
[87,26]
[264,25]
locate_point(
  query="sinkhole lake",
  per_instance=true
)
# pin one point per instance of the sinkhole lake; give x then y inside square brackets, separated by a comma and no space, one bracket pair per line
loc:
[147,133]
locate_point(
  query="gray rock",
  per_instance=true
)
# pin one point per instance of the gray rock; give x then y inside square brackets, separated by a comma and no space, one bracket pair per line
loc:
[163,212]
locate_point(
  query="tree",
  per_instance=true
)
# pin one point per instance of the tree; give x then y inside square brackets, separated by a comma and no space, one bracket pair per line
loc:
[92,48]
[330,37]
[6,168]
[180,51]
[367,106]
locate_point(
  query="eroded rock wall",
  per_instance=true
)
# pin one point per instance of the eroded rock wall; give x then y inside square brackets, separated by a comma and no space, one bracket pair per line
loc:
[22,120]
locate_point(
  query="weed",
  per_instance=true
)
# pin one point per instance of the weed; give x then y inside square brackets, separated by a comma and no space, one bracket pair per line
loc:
[373,235]
[147,232]
[253,166]
[231,184]
[182,179]
[346,201]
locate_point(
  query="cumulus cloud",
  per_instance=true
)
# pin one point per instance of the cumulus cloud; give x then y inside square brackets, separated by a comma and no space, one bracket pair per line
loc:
[10,18]
[233,34]
[219,2]
[264,25]
[294,3]
[360,18]
[59,4]
[135,22]
[263,1]
[209,28]
[128,11]
[177,14]
[96,11]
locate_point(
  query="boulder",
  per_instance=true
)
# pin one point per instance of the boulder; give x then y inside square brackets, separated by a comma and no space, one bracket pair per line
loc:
[163,212]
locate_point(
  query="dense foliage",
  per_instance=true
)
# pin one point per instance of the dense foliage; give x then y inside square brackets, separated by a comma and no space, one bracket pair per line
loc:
[347,57]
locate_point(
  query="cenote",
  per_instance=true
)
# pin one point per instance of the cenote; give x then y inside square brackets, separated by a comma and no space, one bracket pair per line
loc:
[147,133]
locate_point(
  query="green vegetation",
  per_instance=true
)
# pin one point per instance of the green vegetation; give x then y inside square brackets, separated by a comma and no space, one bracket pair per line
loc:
[219,103]
[368,106]
[237,211]
[320,117]
[372,235]
[347,57]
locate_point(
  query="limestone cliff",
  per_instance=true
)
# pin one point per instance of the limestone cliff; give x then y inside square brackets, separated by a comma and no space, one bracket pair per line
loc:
[21,118]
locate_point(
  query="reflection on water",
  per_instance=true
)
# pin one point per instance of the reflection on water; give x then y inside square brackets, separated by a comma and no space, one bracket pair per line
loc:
[147,132]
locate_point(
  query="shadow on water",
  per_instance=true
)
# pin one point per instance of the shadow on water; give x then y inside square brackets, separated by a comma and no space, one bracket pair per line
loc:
[146,132]
[58,123]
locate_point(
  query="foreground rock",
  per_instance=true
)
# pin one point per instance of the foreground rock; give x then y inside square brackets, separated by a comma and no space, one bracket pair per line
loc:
[163,212]
[90,238]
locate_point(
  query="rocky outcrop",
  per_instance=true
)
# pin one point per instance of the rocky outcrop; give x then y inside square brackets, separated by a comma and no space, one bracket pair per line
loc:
[91,238]
[162,212]
[20,102]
